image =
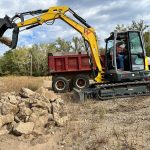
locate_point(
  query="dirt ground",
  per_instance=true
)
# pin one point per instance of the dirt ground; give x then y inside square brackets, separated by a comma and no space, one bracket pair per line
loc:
[117,124]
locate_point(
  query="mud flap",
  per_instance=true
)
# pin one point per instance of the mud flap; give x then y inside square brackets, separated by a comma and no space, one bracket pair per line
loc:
[6,23]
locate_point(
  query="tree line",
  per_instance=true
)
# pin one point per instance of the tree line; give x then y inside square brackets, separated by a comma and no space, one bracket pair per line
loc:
[18,61]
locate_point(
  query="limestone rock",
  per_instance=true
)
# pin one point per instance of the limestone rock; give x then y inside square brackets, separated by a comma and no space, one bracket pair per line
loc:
[33,117]
[39,111]
[51,95]
[25,111]
[55,107]
[40,104]
[26,93]
[23,114]
[4,99]
[6,119]
[13,100]
[41,91]
[8,108]
[42,121]
[4,130]
[23,128]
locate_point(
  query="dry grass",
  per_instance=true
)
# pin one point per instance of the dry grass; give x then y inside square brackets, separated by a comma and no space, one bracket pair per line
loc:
[14,83]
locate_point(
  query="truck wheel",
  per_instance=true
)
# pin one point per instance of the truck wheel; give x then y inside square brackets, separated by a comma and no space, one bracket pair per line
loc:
[81,81]
[60,85]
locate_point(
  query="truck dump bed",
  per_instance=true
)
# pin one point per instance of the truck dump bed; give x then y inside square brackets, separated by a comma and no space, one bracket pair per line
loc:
[68,63]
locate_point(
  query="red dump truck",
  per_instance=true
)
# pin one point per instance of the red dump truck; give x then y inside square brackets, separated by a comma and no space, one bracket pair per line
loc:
[70,70]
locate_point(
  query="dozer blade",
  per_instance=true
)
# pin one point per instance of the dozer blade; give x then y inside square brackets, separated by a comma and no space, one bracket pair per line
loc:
[5,24]
[82,95]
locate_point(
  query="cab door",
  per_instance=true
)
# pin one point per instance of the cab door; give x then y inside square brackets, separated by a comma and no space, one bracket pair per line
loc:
[136,51]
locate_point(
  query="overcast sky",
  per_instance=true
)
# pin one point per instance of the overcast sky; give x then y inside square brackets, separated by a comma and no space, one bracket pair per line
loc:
[103,15]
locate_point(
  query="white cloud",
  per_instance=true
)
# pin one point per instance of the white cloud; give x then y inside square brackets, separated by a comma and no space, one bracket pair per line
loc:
[26,32]
[10,7]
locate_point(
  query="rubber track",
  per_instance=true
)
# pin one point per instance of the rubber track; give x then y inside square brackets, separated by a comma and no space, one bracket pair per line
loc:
[99,86]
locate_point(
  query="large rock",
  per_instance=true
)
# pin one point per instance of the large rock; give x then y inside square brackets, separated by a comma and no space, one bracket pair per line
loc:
[6,119]
[41,90]
[23,128]
[4,130]
[13,100]
[26,93]
[23,114]
[29,101]
[8,108]
[33,118]
[24,109]
[39,111]
[50,95]
[42,121]
[4,99]
[41,104]
[55,107]
[8,96]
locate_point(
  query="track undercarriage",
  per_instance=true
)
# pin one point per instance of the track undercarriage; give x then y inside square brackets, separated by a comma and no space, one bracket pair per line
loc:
[106,91]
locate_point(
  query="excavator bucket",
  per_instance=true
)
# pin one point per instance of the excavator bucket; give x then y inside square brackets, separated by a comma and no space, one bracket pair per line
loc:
[5,24]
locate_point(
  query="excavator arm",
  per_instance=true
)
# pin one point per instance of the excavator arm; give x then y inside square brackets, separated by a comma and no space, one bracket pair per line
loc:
[44,16]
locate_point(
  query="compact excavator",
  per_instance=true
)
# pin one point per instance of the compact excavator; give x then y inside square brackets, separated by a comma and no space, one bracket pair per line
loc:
[111,81]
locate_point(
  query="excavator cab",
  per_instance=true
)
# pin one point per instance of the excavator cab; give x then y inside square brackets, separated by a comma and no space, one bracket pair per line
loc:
[125,57]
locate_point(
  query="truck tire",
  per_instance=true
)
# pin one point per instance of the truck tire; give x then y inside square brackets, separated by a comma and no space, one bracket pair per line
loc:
[60,85]
[81,81]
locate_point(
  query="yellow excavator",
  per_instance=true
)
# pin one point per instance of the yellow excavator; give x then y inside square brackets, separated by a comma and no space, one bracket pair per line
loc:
[111,81]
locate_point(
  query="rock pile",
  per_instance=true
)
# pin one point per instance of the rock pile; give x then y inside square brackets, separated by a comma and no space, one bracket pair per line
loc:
[31,112]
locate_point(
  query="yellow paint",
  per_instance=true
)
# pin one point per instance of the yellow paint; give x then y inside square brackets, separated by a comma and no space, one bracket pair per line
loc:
[146,63]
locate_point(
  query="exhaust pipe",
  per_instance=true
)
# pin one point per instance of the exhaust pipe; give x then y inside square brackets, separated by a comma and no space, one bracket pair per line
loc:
[7,23]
